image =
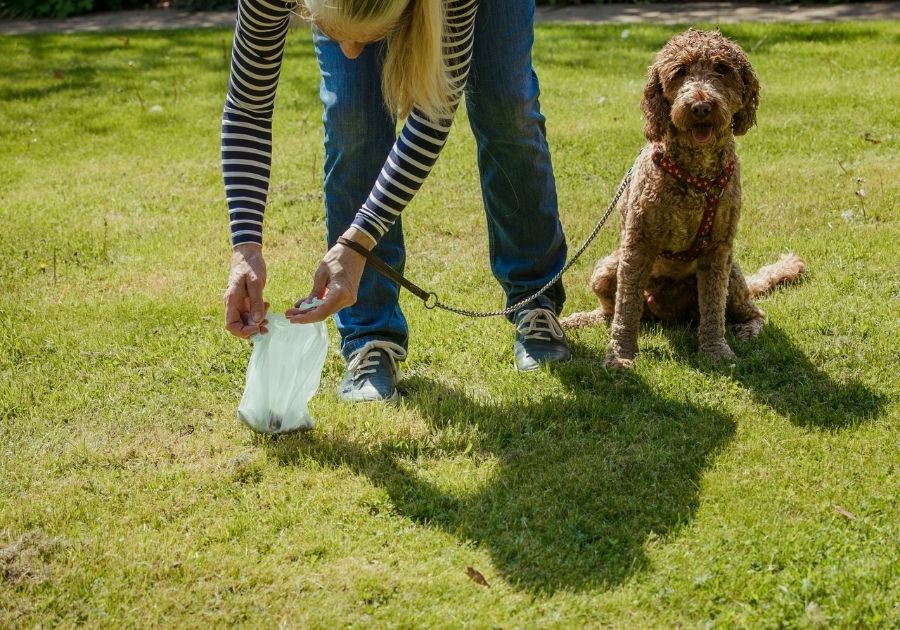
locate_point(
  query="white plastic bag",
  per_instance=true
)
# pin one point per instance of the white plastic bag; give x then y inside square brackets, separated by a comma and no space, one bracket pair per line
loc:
[283,374]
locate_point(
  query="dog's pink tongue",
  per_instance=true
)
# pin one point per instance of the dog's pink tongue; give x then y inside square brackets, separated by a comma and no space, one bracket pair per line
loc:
[701,134]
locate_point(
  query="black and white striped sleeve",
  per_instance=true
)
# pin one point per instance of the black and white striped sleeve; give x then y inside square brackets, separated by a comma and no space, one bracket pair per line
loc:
[259,40]
[421,140]
[256,54]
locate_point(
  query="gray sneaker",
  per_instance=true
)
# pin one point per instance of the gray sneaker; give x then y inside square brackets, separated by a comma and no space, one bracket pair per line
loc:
[372,373]
[539,339]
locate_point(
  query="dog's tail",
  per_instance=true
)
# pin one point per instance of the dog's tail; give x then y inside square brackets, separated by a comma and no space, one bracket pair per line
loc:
[787,270]
[582,319]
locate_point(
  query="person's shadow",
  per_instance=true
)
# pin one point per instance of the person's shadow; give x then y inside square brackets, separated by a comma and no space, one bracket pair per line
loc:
[581,483]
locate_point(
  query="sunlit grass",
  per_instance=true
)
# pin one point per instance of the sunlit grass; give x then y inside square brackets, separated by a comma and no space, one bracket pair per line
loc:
[763,493]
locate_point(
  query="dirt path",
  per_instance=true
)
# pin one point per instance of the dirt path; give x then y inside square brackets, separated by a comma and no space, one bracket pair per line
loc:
[682,13]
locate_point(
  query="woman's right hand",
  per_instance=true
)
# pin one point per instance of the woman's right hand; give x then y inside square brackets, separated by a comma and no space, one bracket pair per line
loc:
[245,310]
[335,283]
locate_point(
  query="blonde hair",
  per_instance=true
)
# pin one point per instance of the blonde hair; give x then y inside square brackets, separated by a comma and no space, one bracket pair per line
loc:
[415,74]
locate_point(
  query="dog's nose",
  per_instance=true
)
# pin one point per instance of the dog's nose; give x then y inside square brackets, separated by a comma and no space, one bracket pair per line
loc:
[701,109]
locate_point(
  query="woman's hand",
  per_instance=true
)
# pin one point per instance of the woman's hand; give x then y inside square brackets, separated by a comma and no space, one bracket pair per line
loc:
[245,310]
[336,281]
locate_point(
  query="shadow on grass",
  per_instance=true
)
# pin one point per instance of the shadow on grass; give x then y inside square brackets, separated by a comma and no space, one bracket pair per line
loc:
[80,64]
[780,376]
[582,484]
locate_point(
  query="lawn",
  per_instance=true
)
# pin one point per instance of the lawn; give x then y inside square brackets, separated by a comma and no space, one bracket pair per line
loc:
[758,493]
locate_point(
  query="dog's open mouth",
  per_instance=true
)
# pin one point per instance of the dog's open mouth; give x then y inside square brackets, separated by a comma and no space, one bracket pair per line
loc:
[701,133]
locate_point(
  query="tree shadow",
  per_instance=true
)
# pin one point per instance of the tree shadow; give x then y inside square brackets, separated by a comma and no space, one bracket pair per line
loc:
[90,62]
[582,483]
[779,375]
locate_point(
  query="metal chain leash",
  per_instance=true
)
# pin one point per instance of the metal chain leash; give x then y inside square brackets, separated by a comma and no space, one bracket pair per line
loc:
[434,302]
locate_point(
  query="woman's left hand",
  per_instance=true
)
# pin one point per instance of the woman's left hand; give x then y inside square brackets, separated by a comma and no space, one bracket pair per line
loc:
[335,283]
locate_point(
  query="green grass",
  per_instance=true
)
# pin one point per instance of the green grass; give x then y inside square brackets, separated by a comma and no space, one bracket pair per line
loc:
[679,494]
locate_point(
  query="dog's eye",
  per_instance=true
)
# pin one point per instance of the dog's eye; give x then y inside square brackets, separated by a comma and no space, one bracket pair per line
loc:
[721,69]
[679,72]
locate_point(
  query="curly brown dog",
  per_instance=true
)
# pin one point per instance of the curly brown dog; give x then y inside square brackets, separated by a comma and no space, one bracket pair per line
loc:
[680,210]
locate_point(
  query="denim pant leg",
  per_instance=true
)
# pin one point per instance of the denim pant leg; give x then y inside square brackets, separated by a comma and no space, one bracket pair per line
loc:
[527,245]
[359,134]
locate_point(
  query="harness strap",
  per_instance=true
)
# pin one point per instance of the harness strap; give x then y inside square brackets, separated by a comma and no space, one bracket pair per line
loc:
[712,190]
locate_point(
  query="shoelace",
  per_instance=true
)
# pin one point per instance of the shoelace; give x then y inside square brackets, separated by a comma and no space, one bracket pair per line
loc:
[364,360]
[541,324]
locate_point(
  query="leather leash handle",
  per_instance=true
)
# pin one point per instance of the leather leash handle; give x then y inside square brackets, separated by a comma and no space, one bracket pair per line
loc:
[384,269]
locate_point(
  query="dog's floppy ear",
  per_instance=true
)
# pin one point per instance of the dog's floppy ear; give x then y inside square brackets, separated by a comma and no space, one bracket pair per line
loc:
[746,115]
[655,107]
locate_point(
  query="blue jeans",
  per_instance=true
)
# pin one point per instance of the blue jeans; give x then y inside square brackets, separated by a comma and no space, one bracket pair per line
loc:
[526,242]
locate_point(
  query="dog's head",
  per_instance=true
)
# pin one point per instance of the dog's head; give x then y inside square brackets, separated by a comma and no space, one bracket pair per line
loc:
[700,86]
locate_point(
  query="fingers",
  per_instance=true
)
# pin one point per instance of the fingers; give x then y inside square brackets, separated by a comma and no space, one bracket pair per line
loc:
[332,303]
[321,279]
[324,294]
[313,309]
[320,313]
[256,306]
[244,330]
[248,310]
[245,309]
[238,320]
[332,286]
[248,274]
[235,323]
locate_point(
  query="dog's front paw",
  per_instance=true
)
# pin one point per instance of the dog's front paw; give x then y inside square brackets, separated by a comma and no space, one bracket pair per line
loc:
[748,330]
[718,351]
[618,362]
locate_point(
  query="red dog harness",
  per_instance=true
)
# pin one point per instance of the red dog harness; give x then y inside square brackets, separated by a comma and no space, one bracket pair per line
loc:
[703,185]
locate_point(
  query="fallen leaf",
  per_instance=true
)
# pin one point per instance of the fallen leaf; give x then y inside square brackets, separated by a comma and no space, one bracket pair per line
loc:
[124,40]
[476,576]
[844,512]
[868,137]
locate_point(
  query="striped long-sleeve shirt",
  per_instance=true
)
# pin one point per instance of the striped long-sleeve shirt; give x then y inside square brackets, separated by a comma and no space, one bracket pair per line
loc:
[259,39]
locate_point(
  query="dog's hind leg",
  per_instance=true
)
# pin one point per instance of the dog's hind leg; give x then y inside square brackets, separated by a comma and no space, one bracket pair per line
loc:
[746,318]
[603,282]
[583,318]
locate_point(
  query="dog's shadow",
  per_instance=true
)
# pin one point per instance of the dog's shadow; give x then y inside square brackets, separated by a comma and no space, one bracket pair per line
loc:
[579,484]
[779,375]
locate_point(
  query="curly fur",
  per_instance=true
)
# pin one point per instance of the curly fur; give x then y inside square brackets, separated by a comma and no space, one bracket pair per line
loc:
[701,91]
